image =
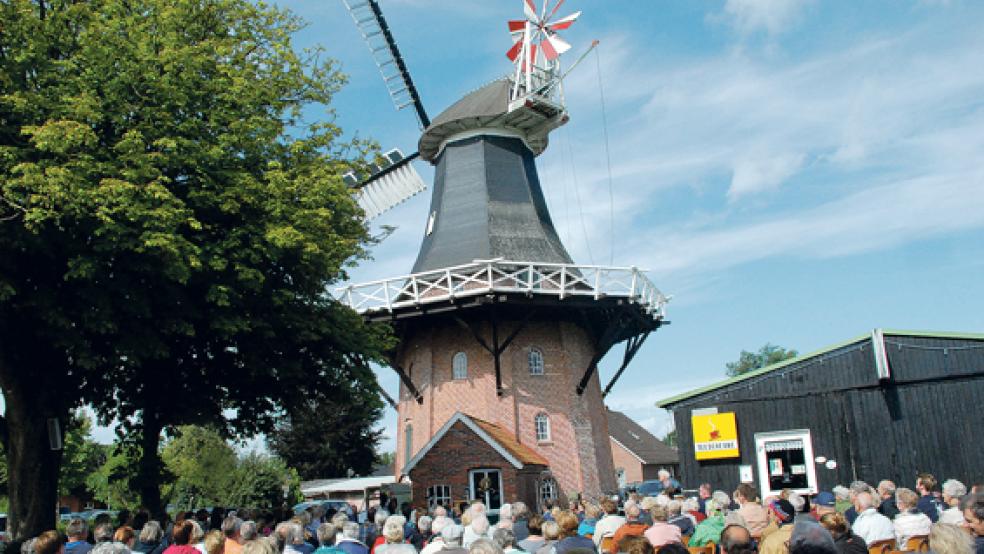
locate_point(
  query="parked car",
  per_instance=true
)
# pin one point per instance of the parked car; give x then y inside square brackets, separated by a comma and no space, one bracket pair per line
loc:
[4,535]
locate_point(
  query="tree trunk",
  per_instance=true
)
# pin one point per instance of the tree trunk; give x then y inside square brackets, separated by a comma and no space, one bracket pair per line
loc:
[32,465]
[149,469]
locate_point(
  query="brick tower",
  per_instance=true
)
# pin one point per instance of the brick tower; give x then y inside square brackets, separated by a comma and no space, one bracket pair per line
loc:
[500,332]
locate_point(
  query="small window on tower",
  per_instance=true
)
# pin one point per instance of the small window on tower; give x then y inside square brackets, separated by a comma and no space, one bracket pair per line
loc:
[459,366]
[536,362]
[542,424]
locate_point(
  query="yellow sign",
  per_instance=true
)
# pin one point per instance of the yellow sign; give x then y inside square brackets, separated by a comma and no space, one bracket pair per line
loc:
[715,436]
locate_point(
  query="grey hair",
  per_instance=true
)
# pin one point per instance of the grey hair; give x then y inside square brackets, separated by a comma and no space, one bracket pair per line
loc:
[865,500]
[350,530]
[326,534]
[906,498]
[662,474]
[505,512]
[841,492]
[674,507]
[289,533]
[484,546]
[102,533]
[504,538]
[151,532]
[452,534]
[231,526]
[480,524]
[860,486]
[77,527]
[262,545]
[197,534]
[27,547]
[110,547]
[550,530]
[339,519]
[950,539]
[248,530]
[424,523]
[797,501]
[886,487]
[691,504]
[439,523]
[721,500]
[381,516]
[393,529]
[954,488]
[519,510]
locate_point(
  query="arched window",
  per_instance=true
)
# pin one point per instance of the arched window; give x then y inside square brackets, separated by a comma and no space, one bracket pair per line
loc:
[542,424]
[536,362]
[459,366]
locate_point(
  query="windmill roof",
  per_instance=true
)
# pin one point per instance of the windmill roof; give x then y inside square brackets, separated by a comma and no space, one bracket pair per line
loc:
[640,442]
[488,109]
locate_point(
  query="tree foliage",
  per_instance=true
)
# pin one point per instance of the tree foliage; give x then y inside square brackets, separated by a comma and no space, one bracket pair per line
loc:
[750,361]
[259,480]
[331,437]
[169,224]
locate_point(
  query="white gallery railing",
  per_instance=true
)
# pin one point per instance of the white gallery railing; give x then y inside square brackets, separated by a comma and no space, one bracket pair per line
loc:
[485,276]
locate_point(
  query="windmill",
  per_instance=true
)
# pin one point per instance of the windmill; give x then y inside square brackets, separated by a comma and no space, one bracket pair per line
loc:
[499,331]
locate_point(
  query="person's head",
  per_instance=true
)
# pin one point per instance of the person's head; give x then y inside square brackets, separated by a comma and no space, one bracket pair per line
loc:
[973,512]
[231,527]
[905,499]
[484,546]
[925,483]
[439,523]
[452,534]
[262,545]
[350,530]
[841,493]
[48,542]
[809,537]
[835,523]
[690,505]
[480,524]
[945,538]
[151,532]
[505,511]
[424,524]
[248,531]
[745,493]
[797,500]
[215,542]
[952,491]
[551,531]
[858,487]
[658,513]
[380,518]
[781,511]
[672,548]
[608,505]
[102,533]
[863,501]
[673,508]
[520,511]
[632,512]
[440,511]
[635,544]
[181,534]
[109,547]
[535,524]
[393,529]
[326,534]
[197,533]
[663,475]
[77,529]
[504,538]
[704,490]
[719,502]
[477,507]
[568,523]
[339,519]
[125,535]
[735,539]
[886,489]
[825,503]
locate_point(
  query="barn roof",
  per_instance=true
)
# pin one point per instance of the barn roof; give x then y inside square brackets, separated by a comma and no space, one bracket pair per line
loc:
[640,442]
[669,402]
[501,440]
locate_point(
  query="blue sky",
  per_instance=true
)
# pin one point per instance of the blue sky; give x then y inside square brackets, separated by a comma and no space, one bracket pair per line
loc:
[793,172]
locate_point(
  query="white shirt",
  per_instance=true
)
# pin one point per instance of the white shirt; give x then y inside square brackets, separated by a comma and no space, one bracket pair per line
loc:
[606,527]
[910,524]
[436,544]
[872,526]
[952,515]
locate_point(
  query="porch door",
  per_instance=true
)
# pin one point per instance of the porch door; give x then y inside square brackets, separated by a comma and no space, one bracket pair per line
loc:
[486,485]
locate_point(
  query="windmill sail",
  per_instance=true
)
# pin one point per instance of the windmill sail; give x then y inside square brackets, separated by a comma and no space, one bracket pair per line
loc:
[394,183]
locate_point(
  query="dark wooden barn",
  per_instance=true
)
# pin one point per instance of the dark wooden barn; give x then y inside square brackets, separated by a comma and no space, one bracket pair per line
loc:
[885,405]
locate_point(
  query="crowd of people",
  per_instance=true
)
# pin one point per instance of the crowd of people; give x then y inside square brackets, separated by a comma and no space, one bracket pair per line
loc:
[847,520]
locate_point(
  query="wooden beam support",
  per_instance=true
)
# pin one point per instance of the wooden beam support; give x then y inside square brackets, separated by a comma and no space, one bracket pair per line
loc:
[496,348]
[631,348]
[606,341]
[405,377]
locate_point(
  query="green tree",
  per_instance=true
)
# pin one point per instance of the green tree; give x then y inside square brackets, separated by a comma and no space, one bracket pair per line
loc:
[200,461]
[81,457]
[670,439]
[258,481]
[750,361]
[168,227]
[110,483]
[331,437]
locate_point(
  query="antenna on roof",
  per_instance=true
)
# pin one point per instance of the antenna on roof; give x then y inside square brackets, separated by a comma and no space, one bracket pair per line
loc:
[369,19]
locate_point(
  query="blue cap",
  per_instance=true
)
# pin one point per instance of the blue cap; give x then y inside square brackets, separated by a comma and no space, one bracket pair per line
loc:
[825,499]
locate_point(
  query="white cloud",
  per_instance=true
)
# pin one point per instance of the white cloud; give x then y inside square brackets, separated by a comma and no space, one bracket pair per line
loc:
[771,16]
[762,172]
